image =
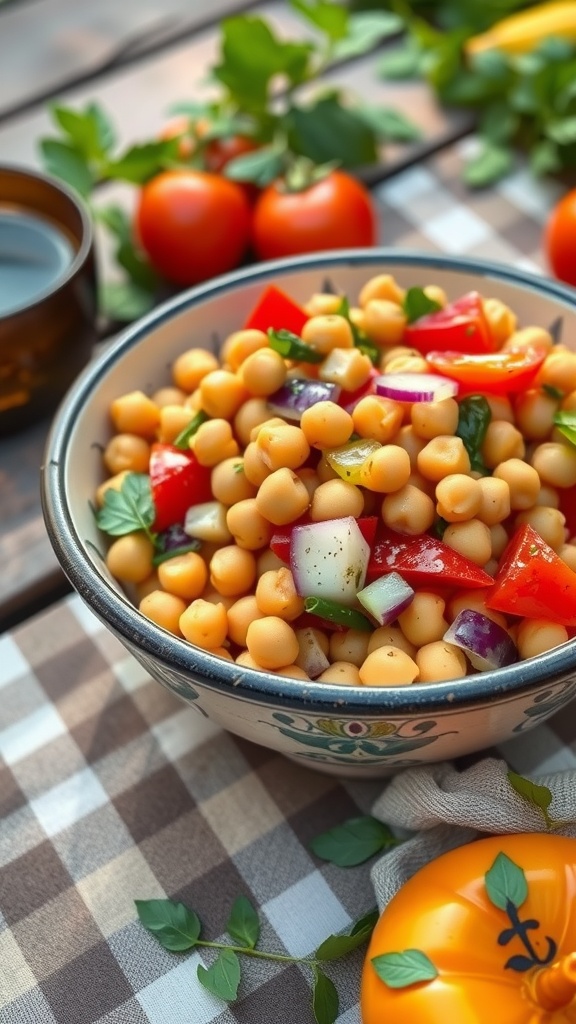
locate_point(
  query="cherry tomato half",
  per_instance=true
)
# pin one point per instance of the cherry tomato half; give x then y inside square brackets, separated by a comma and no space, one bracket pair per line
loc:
[193,225]
[560,239]
[336,212]
[460,326]
[502,372]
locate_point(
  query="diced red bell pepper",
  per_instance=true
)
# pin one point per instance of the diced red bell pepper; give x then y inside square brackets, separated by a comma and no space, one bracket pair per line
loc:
[461,326]
[533,581]
[280,542]
[277,311]
[178,481]
[423,561]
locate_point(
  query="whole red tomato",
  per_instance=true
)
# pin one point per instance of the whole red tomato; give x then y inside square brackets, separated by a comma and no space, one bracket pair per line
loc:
[336,212]
[193,225]
[560,239]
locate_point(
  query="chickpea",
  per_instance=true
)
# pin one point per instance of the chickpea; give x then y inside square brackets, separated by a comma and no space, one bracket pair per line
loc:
[382,286]
[502,441]
[327,332]
[377,418]
[392,352]
[336,494]
[276,595]
[129,558]
[113,483]
[326,425]
[252,414]
[458,497]
[431,419]
[341,672]
[205,624]
[390,636]
[474,599]
[494,500]
[267,560]
[348,367]
[439,661]
[351,645]
[282,446]
[501,320]
[135,413]
[423,620]
[232,570]
[229,482]
[529,337]
[249,529]
[272,642]
[255,469]
[387,469]
[568,555]
[441,457]
[388,666]
[309,478]
[263,372]
[190,367]
[558,370]
[548,522]
[173,420]
[523,482]
[127,453]
[472,540]
[408,439]
[241,344]
[501,408]
[534,411]
[499,538]
[240,614]
[324,471]
[548,496]
[184,575]
[222,393]
[322,303]
[282,497]
[213,442]
[163,609]
[408,510]
[385,321]
[535,636]
[407,364]
[168,396]
[555,464]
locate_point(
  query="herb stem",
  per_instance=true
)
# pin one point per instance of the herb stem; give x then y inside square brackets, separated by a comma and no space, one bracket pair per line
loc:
[261,954]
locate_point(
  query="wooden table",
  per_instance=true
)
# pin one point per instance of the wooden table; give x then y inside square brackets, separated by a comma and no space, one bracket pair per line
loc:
[137,59]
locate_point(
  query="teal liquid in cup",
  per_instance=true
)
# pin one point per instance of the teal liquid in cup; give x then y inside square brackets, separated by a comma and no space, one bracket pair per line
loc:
[34,256]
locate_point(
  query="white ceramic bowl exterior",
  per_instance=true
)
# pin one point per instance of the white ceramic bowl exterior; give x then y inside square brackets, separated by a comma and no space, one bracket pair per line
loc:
[357,732]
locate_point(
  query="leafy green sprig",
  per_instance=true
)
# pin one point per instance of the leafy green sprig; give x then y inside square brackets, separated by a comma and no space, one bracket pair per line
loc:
[178,929]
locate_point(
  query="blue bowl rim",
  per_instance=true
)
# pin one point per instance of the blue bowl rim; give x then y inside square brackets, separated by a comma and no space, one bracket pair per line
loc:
[205,669]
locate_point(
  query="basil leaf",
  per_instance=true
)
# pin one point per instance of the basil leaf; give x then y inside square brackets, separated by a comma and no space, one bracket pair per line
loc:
[291,346]
[537,796]
[129,509]
[243,923]
[183,438]
[336,946]
[398,970]
[506,883]
[474,415]
[327,130]
[566,423]
[175,926]
[416,304]
[325,1002]
[354,842]
[223,976]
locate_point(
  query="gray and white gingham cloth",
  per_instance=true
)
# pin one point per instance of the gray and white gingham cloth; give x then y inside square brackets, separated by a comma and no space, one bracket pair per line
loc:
[111,790]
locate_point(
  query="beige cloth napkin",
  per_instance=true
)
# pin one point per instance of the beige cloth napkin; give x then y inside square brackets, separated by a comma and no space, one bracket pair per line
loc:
[445,808]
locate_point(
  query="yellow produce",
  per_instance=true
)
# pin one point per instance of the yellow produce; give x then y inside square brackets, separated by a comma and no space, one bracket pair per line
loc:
[523,32]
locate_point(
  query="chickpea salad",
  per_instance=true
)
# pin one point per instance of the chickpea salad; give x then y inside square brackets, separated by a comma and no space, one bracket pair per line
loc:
[371,490]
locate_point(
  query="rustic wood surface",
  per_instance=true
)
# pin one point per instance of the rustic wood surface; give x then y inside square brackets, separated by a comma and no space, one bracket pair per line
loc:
[136,59]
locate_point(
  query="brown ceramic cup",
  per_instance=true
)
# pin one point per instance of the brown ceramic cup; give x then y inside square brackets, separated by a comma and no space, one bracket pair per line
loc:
[47,294]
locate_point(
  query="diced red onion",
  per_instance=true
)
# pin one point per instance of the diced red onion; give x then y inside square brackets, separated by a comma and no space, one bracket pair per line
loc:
[415,387]
[487,644]
[299,394]
[311,657]
[329,559]
[386,597]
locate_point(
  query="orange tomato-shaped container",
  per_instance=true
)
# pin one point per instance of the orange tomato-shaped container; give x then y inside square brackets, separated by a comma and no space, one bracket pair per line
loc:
[485,933]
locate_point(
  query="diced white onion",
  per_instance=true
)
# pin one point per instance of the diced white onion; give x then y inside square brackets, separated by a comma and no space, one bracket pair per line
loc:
[329,559]
[207,521]
[415,387]
[386,597]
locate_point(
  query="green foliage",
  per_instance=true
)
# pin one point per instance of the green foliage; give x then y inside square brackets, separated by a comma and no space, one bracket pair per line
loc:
[398,970]
[178,929]
[506,883]
[129,509]
[531,792]
[353,842]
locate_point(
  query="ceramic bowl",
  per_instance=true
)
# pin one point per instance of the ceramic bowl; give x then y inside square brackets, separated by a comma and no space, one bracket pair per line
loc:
[350,731]
[47,294]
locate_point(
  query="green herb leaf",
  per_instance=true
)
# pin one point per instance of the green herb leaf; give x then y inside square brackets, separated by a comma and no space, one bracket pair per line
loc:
[222,978]
[566,423]
[261,167]
[90,131]
[175,926]
[388,124]
[243,924]
[63,161]
[538,796]
[492,163]
[400,63]
[552,391]
[325,1002]
[165,556]
[417,304]
[506,883]
[398,970]
[290,346]
[354,842]
[119,224]
[562,131]
[142,162]
[474,415]
[330,18]
[124,301]
[183,438]
[336,946]
[365,30]
[129,509]
[545,158]
[327,130]
[251,56]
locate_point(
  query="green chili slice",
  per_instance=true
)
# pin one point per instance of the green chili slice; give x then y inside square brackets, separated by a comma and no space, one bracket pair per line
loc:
[334,612]
[184,436]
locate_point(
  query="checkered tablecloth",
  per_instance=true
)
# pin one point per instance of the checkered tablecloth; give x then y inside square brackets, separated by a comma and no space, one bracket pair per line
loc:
[111,790]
